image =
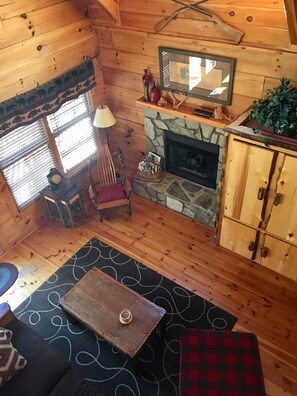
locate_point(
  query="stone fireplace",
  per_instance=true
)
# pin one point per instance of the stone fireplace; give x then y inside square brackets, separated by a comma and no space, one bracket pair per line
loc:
[192,156]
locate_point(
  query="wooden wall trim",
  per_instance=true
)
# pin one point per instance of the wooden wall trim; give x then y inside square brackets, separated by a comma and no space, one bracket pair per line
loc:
[291,11]
[112,9]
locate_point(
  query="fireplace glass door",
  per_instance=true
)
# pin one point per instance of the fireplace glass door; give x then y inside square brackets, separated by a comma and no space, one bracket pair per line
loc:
[191,159]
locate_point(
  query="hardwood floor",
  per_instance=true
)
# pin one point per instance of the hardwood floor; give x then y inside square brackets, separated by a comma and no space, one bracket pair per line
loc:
[264,302]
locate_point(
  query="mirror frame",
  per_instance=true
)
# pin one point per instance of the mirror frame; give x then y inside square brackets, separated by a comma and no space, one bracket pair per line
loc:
[180,62]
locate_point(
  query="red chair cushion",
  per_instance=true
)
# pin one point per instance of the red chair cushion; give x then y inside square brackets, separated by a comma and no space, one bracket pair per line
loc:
[112,193]
[220,363]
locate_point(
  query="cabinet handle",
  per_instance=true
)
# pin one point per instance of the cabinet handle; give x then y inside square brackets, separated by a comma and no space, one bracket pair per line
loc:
[251,246]
[277,199]
[264,252]
[261,193]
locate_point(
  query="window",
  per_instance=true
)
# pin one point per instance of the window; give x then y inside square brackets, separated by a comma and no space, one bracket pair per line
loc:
[27,153]
[72,128]
[25,159]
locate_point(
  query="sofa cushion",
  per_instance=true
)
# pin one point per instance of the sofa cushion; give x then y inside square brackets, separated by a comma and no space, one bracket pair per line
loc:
[11,361]
[220,362]
[74,385]
[45,365]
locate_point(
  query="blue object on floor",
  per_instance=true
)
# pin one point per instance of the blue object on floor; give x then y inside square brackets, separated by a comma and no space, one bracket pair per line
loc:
[8,275]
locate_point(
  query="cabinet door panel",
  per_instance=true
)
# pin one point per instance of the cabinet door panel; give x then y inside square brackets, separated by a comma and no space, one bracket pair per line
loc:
[283,216]
[247,171]
[281,257]
[237,237]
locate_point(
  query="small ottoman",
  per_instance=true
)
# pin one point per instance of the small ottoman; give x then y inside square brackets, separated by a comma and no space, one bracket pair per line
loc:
[220,363]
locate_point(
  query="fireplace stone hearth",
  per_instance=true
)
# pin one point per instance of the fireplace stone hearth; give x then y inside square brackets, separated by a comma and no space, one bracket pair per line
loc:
[182,196]
[196,201]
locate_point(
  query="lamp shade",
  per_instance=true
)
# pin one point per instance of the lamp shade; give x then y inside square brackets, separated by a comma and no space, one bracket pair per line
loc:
[103,117]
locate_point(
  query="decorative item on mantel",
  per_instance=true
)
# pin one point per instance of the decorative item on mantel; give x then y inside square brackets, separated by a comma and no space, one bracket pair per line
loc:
[175,101]
[150,168]
[155,93]
[146,82]
[219,114]
[162,102]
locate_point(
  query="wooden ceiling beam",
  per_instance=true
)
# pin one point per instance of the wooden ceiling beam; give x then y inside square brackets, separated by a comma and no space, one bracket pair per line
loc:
[291,11]
[112,9]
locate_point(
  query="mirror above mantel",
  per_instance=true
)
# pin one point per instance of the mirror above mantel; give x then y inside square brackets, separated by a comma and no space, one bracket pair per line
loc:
[203,76]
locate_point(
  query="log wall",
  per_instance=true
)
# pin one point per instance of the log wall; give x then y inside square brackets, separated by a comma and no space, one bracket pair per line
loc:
[39,40]
[262,58]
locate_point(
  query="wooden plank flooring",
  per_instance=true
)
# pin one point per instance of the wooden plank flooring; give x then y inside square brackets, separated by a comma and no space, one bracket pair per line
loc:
[184,251]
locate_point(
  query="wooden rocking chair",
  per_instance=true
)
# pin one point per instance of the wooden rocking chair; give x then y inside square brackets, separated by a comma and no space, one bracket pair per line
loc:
[109,188]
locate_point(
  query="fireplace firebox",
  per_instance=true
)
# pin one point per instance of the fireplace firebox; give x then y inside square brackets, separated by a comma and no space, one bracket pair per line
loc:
[191,159]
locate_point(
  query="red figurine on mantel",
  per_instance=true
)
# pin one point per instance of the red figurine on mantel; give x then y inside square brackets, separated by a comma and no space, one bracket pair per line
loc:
[155,93]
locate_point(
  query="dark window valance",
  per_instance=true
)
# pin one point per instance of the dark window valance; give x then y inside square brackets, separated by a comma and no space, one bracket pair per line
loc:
[47,98]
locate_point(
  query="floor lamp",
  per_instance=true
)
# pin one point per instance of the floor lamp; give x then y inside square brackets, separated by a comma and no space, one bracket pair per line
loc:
[104,119]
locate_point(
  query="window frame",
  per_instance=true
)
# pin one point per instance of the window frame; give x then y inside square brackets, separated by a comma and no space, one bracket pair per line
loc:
[54,136]
[17,208]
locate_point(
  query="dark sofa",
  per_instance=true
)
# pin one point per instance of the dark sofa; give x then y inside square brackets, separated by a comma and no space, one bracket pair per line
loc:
[47,372]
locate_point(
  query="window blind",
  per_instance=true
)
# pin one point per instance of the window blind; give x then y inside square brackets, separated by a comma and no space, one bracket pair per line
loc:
[27,153]
[72,127]
[25,160]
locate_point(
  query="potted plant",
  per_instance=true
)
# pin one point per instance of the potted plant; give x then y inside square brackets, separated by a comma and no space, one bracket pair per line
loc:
[278,111]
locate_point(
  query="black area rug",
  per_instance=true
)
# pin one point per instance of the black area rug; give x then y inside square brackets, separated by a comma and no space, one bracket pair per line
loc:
[98,361]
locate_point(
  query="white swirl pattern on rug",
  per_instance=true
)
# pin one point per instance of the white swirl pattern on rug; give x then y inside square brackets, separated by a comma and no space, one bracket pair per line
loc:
[98,361]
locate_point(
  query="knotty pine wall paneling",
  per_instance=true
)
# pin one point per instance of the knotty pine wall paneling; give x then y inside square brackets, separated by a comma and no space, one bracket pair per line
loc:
[39,40]
[262,58]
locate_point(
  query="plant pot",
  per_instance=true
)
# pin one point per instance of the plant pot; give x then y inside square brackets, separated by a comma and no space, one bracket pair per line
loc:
[278,110]
[269,133]
[281,138]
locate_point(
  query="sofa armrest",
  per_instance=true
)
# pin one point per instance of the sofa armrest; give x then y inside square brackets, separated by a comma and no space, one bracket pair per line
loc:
[45,365]
[6,315]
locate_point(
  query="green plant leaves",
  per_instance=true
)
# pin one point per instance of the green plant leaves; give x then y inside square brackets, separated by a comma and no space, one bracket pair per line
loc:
[279,110]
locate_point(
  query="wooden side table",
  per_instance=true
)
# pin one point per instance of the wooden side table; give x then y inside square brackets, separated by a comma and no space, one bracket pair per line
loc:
[64,204]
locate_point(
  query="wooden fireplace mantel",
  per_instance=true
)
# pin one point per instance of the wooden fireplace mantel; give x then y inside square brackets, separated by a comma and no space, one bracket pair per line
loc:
[183,112]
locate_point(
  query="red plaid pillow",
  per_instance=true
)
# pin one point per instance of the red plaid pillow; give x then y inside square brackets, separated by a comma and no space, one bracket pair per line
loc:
[11,361]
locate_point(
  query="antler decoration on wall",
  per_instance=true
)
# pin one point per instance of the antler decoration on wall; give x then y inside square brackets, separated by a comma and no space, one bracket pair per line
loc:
[235,35]
[175,100]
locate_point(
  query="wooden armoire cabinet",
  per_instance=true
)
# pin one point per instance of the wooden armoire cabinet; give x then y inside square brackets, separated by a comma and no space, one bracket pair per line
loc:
[259,204]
